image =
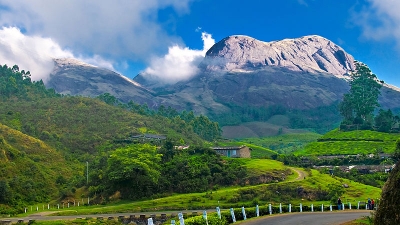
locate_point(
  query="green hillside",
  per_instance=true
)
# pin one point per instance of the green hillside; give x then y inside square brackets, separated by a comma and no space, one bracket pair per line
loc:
[317,188]
[338,142]
[31,171]
[284,143]
[46,140]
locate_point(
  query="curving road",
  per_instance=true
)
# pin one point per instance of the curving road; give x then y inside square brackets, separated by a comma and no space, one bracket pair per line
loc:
[305,218]
[309,218]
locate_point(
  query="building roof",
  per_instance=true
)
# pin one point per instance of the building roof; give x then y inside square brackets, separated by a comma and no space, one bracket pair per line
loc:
[149,136]
[228,147]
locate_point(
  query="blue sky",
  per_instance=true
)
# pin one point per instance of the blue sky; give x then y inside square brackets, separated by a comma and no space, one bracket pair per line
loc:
[164,37]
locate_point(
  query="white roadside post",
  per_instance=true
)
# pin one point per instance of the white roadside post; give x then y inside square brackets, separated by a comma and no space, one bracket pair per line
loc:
[290,208]
[312,207]
[358,205]
[150,221]
[257,211]
[218,212]
[280,207]
[244,213]
[205,216]
[48,206]
[322,207]
[301,207]
[270,209]
[349,205]
[330,208]
[233,215]
[181,219]
[342,206]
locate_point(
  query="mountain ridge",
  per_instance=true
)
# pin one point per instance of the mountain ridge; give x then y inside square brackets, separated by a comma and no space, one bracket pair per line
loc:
[310,53]
[306,73]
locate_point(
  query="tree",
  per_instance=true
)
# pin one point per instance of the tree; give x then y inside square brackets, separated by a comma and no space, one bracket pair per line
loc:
[133,169]
[359,104]
[396,155]
[384,120]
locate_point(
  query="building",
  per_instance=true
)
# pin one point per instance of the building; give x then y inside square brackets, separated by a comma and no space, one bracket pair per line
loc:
[234,151]
[149,138]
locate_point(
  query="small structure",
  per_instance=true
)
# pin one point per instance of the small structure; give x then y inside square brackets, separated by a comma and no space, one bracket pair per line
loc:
[148,138]
[234,151]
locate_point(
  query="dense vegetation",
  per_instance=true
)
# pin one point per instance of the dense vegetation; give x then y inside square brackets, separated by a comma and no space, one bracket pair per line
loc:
[358,106]
[46,140]
[388,211]
[284,144]
[320,119]
[139,170]
[337,142]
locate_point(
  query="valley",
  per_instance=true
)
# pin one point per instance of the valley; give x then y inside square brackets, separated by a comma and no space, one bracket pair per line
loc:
[144,146]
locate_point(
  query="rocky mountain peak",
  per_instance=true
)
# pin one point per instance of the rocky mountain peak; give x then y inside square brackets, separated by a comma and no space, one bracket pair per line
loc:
[311,53]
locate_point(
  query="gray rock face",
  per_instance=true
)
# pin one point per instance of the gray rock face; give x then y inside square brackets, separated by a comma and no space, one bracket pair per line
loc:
[73,77]
[312,54]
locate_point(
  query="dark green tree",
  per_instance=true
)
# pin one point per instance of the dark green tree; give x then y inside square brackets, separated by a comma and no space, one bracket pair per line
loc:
[384,120]
[359,104]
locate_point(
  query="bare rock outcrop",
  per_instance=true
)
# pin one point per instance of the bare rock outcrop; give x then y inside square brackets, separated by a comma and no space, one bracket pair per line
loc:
[313,54]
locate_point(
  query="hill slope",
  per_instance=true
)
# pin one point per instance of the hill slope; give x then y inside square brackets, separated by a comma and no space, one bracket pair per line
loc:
[351,142]
[31,170]
[241,79]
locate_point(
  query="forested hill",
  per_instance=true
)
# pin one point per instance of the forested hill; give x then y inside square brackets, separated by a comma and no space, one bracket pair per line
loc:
[46,138]
[80,124]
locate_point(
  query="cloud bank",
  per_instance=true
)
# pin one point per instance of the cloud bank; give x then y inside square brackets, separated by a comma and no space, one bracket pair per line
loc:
[35,53]
[380,19]
[120,29]
[29,53]
[103,33]
[180,63]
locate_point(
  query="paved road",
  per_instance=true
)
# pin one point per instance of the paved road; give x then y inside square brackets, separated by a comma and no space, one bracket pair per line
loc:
[305,218]
[309,218]
[44,217]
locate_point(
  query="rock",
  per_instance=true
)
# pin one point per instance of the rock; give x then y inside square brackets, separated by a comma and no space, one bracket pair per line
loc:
[73,77]
[346,186]
[306,54]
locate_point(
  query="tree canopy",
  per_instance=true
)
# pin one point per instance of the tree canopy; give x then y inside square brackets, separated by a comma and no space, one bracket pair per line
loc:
[359,104]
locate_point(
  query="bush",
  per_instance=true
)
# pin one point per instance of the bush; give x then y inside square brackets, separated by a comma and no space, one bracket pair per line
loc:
[212,220]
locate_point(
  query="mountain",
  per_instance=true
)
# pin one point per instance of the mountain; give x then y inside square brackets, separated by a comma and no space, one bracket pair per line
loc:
[73,77]
[241,79]
[303,73]
[312,54]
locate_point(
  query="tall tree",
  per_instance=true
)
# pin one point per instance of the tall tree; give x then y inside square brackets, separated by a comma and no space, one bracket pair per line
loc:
[133,169]
[359,104]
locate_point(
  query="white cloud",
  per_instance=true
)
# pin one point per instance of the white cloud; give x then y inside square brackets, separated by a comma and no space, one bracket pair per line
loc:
[120,29]
[35,53]
[180,63]
[379,19]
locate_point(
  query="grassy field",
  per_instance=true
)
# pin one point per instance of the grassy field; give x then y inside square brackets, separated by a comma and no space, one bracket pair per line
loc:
[351,142]
[285,143]
[283,192]
[276,125]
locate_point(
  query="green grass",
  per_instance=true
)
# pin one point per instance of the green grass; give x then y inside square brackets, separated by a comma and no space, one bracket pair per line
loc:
[261,166]
[351,142]
[248,196]
[284,143]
